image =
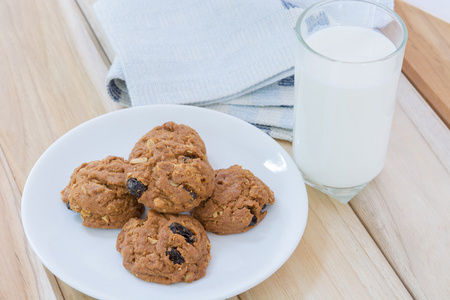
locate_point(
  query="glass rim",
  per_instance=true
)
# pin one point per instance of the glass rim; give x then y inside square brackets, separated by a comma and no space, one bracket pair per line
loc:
[389,11]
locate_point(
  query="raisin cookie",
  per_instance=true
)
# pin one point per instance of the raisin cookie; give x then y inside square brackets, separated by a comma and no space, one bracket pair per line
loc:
[97,190]
[170,131]
[239,202]
[165,248]
[171,177]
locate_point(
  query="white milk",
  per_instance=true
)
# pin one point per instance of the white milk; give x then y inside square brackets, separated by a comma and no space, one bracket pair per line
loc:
[343,111]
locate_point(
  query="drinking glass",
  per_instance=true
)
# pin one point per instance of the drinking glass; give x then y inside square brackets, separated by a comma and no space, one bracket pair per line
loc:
[348,62]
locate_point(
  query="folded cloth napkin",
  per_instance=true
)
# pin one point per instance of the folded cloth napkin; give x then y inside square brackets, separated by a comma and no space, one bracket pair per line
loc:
[232,56]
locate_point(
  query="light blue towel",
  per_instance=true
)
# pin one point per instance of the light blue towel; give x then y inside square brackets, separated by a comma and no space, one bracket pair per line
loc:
[232,56]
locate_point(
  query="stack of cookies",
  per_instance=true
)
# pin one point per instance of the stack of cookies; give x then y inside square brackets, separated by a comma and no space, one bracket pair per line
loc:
[168,172]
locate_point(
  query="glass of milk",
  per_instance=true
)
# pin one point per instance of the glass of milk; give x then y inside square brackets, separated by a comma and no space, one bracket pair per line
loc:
[348,62]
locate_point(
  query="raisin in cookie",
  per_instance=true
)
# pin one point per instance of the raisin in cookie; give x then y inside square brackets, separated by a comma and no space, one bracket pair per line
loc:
[171,177]
[170,131]
[239,202]
[97,190]
[165,248]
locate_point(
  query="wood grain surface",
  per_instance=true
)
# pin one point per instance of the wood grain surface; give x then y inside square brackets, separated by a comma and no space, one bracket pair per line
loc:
[394,233]
[51,79]
[406,208]
[18,264]
[427,57]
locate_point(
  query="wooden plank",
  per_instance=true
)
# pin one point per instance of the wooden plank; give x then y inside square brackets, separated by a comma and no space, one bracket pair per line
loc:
[48,65]
[427,57]
[97,31]
[406,208]
[51,79]
[19,265]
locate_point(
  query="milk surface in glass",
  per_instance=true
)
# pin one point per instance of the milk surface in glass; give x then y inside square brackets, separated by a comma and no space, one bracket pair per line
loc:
[344,105]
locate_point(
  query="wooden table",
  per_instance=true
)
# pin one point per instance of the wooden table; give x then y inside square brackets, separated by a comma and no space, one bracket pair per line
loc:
[391,241]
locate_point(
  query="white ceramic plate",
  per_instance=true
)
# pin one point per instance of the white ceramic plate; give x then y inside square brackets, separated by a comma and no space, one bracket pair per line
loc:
[86,258]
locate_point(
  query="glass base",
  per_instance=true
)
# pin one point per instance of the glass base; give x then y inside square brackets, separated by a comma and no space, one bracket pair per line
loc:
[343,195]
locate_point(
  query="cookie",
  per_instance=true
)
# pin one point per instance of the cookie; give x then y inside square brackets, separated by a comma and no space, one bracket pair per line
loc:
[173,175]
[239,202]
[97,190]
[165,248]
[173,182]
[169,132]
